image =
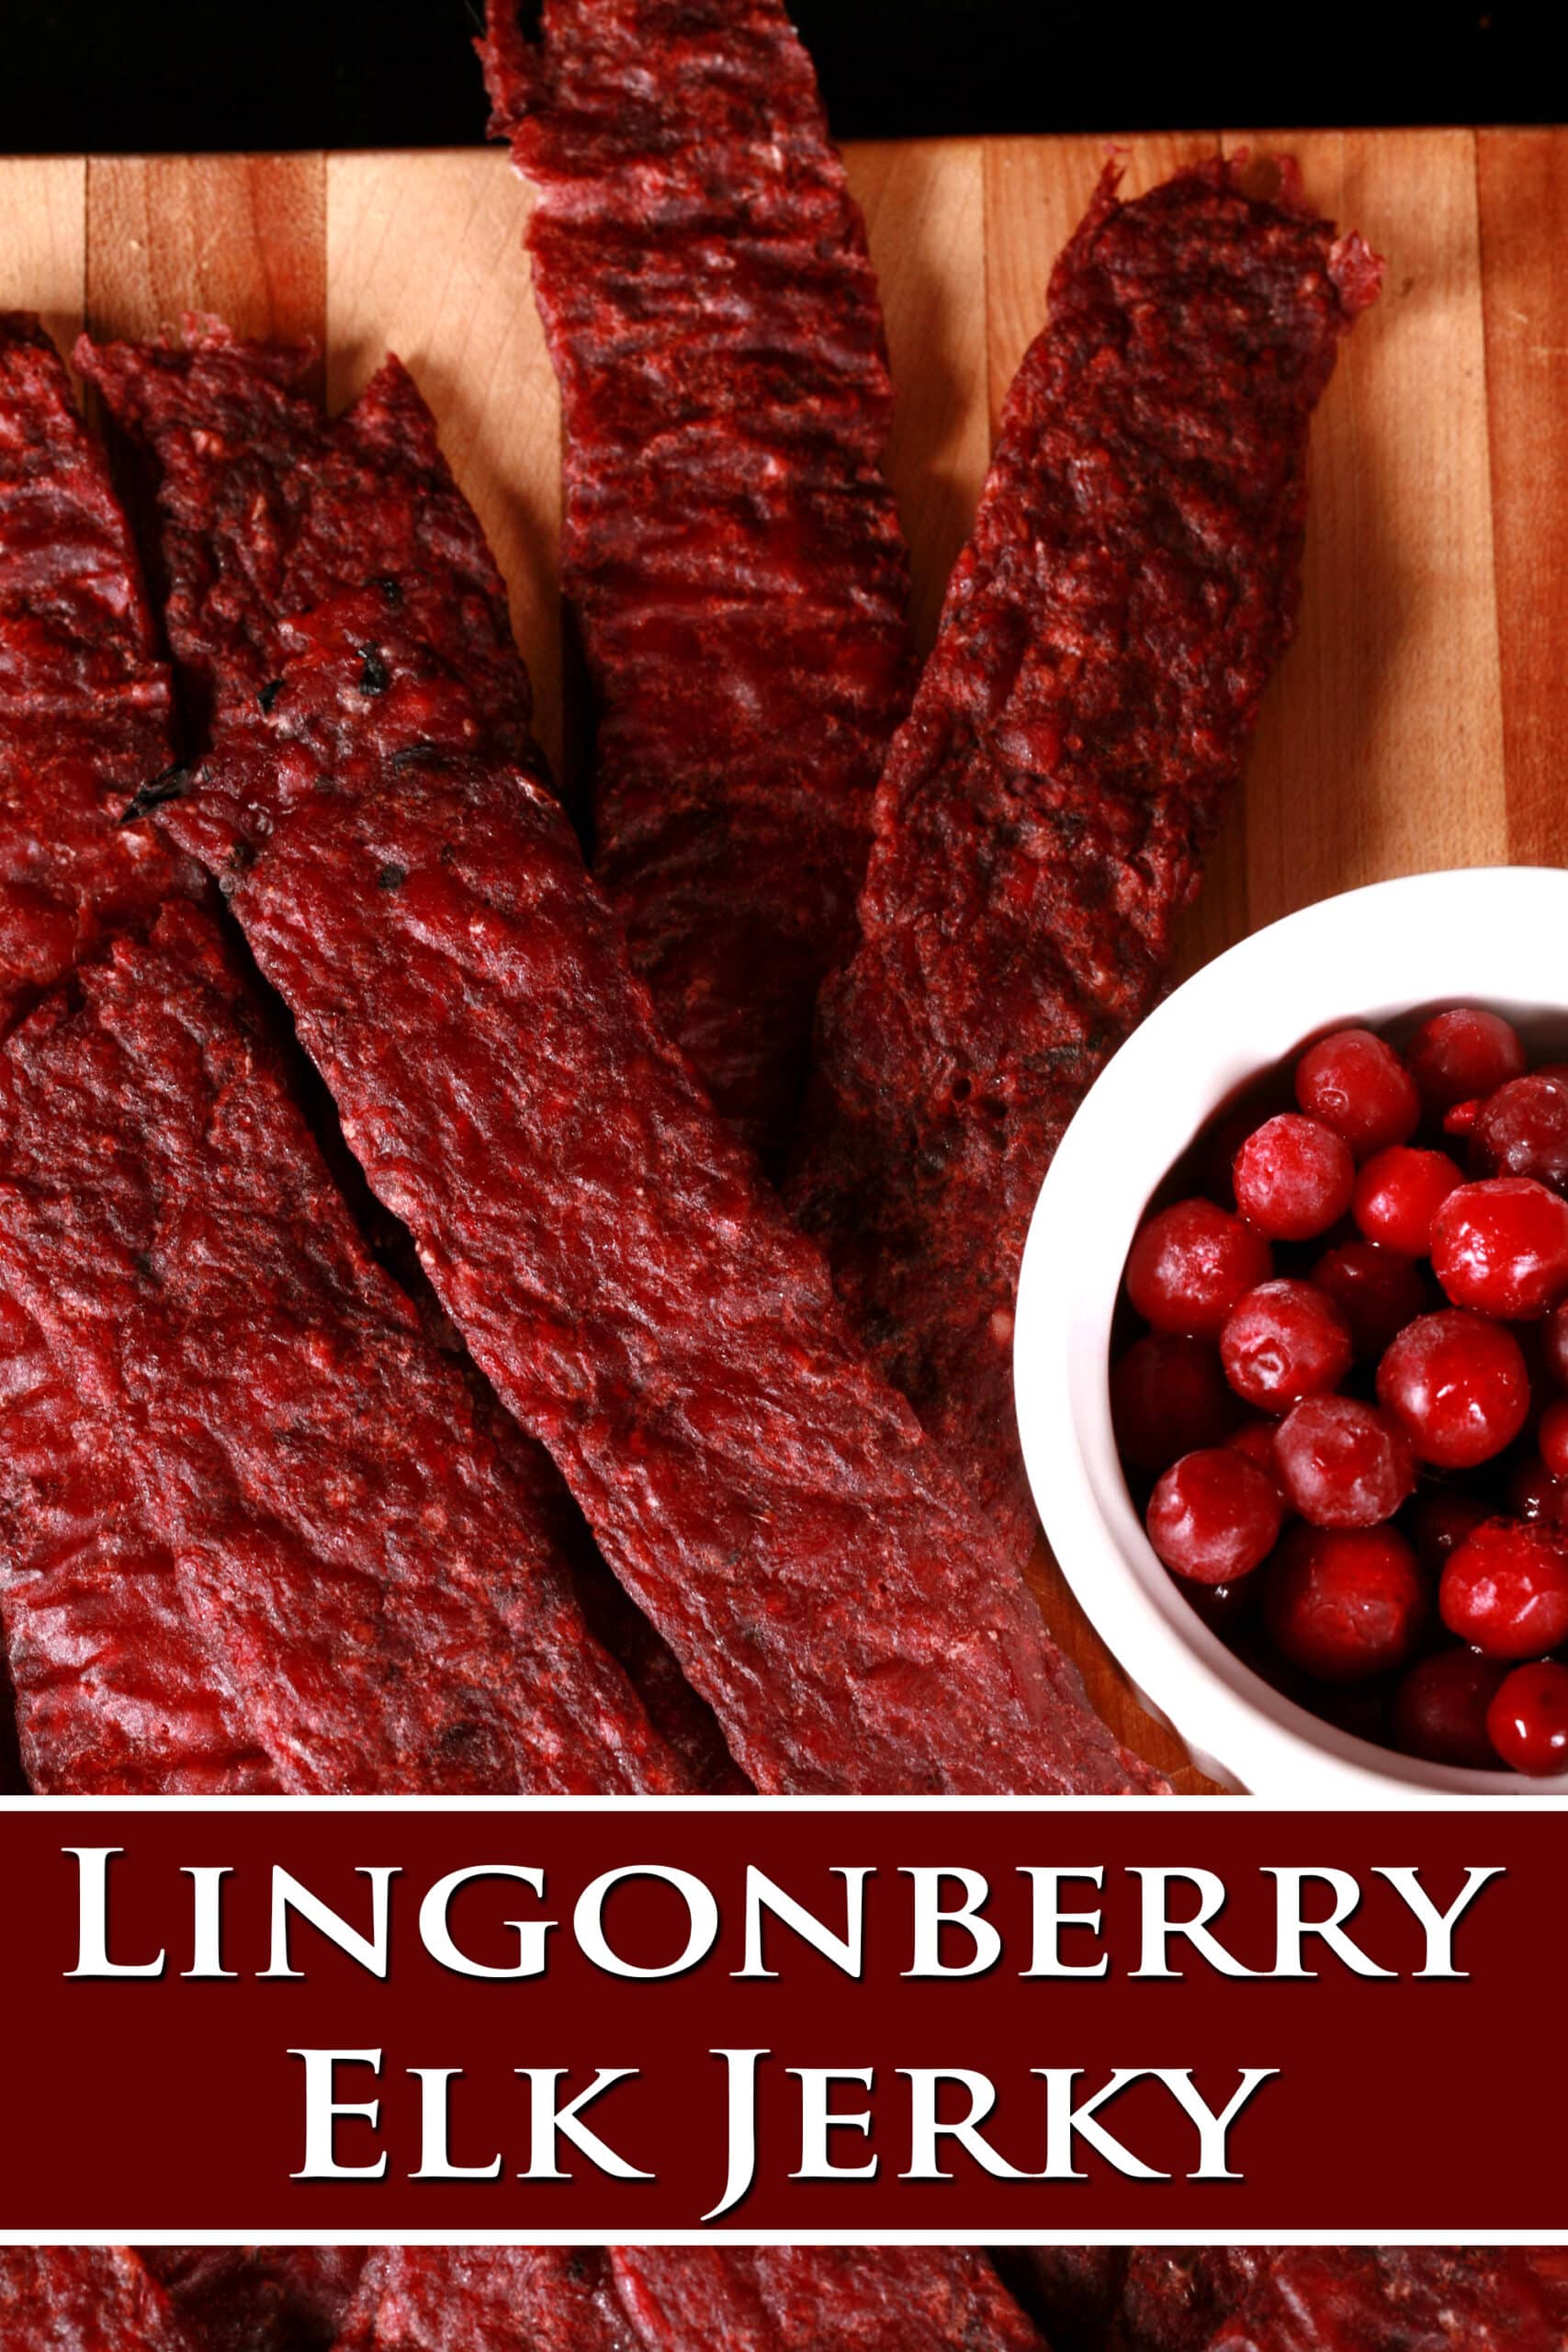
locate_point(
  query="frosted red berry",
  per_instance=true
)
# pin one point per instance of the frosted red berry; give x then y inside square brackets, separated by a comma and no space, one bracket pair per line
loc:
[1345,1603]
[1398,1193]
[1357,1084]
[1214,1515]
[1440,1708]
[1501,1246]
[1528,1719]
[1457,1388]
[1464,1051]
[1522,1130]
[1282,1341]
[1343,1463]
[1190,1265]
[1168,1395]
[1505,1589]
[1293,1177]
[1376,1290]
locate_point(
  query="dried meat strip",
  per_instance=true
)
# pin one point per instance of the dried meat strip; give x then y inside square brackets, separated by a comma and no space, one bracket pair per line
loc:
[362,1555]
[819,2299]
[620,1271]
[75,2299]
[488,2299]
[259,2299]
[1131,583]
[85,708]
[256,1532]
[1398,2299]
[730,550]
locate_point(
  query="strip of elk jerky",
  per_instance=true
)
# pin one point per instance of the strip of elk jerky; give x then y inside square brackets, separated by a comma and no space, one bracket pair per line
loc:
[622,1273]
[730,552]
[1130,585]
[254,1529]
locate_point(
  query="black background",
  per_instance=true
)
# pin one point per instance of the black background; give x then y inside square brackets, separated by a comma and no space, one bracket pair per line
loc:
[153,75]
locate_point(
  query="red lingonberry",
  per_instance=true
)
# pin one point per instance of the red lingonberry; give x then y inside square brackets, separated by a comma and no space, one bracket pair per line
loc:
[1357,1084]
[1505,1589]
[1501,1246]
[1214,1515]
[1191,1263]
[1344,1603]
[1457,1386]
[1282,1341]
[1527,1720]
[1343,1463]
[1293,1178]
[1462,1052]
[1376,1290]
[1398,1193]
[1522,1130]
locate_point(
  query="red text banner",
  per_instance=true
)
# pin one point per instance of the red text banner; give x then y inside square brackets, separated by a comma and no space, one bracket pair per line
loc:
[636,2021]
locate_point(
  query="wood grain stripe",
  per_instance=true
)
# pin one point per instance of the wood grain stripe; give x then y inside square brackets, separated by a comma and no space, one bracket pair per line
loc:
[1380,749]
[43,240]
[1522,186]
[240,235]
[924,205]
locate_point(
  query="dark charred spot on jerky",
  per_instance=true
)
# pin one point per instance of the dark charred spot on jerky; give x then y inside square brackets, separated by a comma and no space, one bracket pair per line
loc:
[413,755]
[392,876]
[172,784]
[266,696]
[373,676]
[579,2268]
[391,589]
[142,1261]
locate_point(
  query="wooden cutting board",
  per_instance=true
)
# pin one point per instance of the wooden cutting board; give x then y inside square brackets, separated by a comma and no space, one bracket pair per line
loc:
[1415,722]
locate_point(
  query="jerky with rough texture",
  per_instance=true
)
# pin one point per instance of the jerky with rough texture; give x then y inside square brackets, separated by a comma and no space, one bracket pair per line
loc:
[1400,2299]
[730,549]
[819,2299]
[84,2299]
[621,1273]
[85,707]
[1130,585]
[356,1555]
[488,2299]
[1174,2298]
[259,2298]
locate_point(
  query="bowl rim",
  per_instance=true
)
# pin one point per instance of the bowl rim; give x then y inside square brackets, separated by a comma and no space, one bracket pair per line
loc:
[1240,1729]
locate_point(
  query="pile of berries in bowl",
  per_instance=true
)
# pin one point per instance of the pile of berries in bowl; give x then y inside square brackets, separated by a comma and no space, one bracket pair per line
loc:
[1339,1387]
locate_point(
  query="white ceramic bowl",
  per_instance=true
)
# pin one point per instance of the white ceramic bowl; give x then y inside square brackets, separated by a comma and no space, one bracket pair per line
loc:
[1388,954]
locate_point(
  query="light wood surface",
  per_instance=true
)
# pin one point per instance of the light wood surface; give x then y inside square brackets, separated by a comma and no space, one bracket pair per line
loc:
[1415,722]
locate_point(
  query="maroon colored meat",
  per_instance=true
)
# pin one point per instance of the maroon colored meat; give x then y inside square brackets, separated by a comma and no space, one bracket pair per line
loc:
[1398,2299]
[353,1552]
[622,1275]
[75,2299]
[84,702]
[819,2299]
[259,2299]
[1130,585]
[1173,2298]
[488,2299]
[257,1531]
[730,550]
